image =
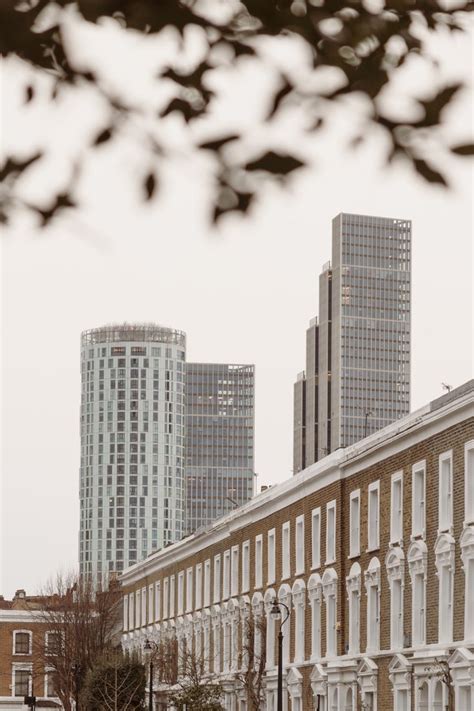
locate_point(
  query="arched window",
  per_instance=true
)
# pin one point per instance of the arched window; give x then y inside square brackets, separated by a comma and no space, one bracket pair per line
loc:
[353,596]
[299,595]
[257,614]
[315,596]
[372,586]
[216,639]
[206,640]
[246,634]
[444,552]
[395,566]
[270,596]
[329,583]
[417,557]
[467,555]
[284,595]
[197,627]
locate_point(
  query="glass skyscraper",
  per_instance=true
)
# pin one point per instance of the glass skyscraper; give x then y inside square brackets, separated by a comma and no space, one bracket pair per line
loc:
[219,440]
[357,377]
[132,444]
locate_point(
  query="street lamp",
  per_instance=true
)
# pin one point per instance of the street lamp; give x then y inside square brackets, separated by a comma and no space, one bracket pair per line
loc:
[275,614]
[148,649]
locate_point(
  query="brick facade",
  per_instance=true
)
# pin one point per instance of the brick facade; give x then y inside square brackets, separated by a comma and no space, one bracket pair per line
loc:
[379,675]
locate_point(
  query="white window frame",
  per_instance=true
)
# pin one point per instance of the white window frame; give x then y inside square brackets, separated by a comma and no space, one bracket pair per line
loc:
[372,587]
[373,536]
[285,551]
[258,561]
[354,526]
[30,643]
[180,605]
[151,607]
[234,571]
[172,595]
[331,506]
[396,517]
[217,578]
[445,513]
[189,590]
[20,666]
[125,613]
[198,587]
[138,622]
[166,598]
[207,583]
[469,482]
[226,575]
[271,556]
[299,545]
[46,642]
[157,600]
[245,566]
[131,611]
[316,538]
[418,520]
[467,556]
[144,610]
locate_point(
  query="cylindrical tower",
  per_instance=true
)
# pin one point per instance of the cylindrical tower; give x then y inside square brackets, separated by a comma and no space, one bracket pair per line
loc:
[132,444]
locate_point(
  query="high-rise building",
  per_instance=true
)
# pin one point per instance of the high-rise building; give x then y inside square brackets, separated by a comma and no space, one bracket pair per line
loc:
[219,440]
[132,444]
[357,377]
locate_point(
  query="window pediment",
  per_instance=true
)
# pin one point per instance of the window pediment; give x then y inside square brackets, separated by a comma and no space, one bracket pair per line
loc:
[417,557]
[467,543]
[444,551]
[372,574]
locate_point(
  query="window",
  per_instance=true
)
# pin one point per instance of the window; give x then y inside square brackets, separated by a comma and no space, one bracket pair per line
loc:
[50,685]
[157,601]
[467,555]
[395,564]
[315,594]
[372,586]
[285,550]
[217,578]
[22,642]
[151,607]
[353,595]
[299,545]
[373,516]
[445,476]
[172,595]
[316,538]
[180,608]
[198,592]
[21,681]
[271,557]
[258,561]
[189,590]
[131,611]
[329,583]
[417,556]
[418,499]
[354,514]
[207,583]
[166,587]
[245,566]
[143,599]
[331,532]
[53,643]
[125,612]
[234,576]
[226,576]
[396,509]
[298,597]
[469,481]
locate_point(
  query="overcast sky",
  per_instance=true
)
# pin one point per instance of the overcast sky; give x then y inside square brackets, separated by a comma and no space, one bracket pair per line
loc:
[242,294]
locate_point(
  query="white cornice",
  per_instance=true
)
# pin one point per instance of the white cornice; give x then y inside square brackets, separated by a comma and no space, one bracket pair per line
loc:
[20,616]
[342,463]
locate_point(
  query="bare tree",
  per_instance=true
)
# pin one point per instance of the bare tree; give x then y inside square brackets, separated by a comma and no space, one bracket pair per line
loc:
[253,659]
[81,624]
[440,669]
[115,684]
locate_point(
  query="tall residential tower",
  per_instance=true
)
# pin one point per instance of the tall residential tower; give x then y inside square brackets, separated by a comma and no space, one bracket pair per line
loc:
[219,440]
[132,444]
[357,377]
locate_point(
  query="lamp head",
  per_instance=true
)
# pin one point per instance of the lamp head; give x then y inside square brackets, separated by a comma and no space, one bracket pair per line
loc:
[147,648]
[275,611]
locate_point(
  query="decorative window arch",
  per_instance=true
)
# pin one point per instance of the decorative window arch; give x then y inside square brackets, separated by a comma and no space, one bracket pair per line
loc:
[367,680]
[315,594]
[294,684]
[400,675]
[353,586]
[284,595]
[445,561]
[329,584]
[461,663]
[319,686]
[467,556]
[372,587]
[395,567]
[299,597]
[270,596]
[417,557]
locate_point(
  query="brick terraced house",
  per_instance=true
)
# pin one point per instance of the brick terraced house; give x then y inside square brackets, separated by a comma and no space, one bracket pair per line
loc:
[22,630]
[371,549]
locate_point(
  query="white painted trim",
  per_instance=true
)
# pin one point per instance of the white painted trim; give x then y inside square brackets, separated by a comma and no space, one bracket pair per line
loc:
[331,506]
[468,515]
[397,476]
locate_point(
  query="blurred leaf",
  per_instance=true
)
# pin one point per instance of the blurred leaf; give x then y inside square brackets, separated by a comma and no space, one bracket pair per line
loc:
[187,111]
[29,94]
[283,92]
[217,144]
[14,167]
[103,136]
[150,184]
[62,202]
[276,163]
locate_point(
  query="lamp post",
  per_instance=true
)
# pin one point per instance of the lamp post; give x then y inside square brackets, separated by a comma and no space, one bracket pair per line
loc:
[275,613]
[149,648]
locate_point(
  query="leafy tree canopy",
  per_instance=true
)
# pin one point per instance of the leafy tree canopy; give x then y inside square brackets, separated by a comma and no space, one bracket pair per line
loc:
[364,43]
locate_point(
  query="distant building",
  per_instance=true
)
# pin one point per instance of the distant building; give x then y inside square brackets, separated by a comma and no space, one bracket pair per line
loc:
[132,444]
[23,672]
[219,440]
[371,550]
[357,377]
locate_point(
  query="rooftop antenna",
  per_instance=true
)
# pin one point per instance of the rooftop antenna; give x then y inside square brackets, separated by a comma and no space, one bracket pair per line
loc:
[446,387]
